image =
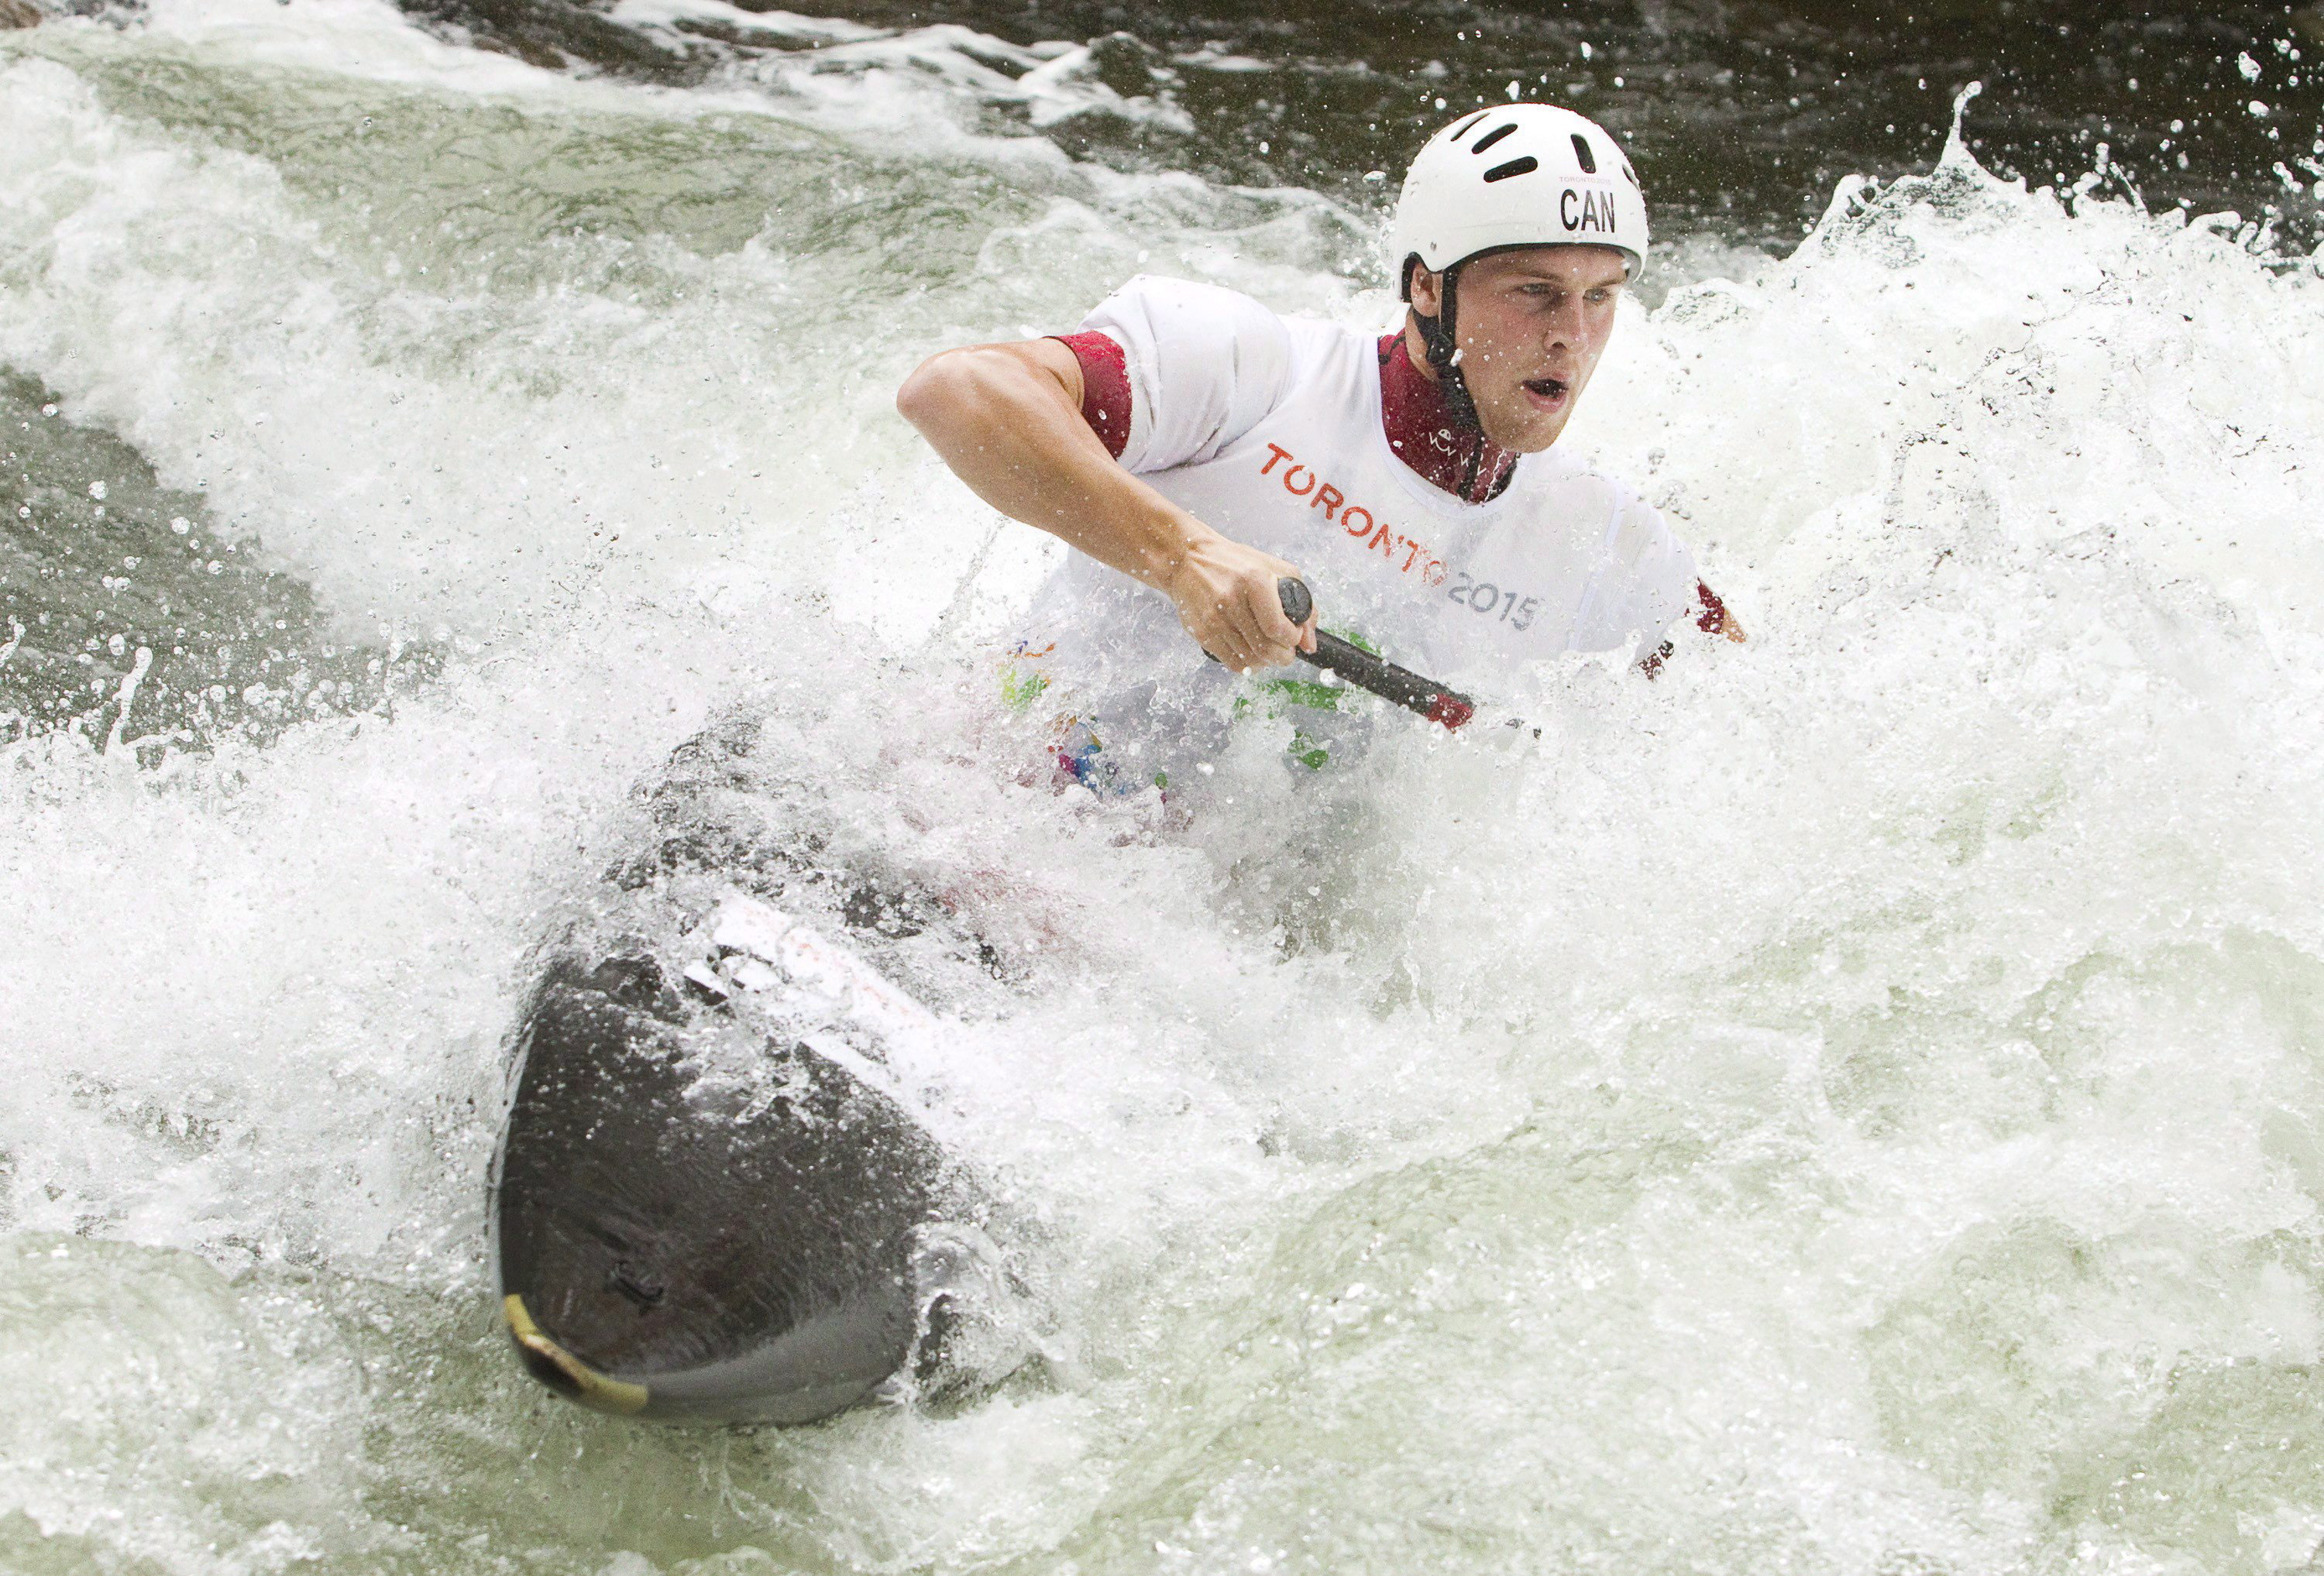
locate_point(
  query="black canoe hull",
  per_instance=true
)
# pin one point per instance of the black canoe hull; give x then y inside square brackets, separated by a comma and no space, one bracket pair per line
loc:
[710,1203]
[675,1254]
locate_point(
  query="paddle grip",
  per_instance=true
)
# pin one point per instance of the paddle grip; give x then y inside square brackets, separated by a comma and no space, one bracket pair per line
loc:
[1366,671]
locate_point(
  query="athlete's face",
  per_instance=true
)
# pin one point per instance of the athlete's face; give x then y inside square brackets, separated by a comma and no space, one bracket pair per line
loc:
[1531,324]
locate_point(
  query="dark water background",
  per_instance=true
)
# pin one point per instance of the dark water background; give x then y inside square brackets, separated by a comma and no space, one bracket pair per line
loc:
[1741,113]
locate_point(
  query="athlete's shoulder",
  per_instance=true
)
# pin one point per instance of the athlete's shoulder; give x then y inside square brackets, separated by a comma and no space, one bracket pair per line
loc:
[1166,307]
[1206,364]
[1165,312]
[1634,558]
[1575,484]
[1568,485]
[1169,290]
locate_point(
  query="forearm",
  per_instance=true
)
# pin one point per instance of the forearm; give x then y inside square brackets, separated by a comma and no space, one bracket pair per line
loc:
[1007,421]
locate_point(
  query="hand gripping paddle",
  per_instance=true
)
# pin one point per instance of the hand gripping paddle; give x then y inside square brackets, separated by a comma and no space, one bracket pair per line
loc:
[1352,662]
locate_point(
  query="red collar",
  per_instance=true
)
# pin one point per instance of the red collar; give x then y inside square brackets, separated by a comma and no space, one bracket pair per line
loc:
[1421,429]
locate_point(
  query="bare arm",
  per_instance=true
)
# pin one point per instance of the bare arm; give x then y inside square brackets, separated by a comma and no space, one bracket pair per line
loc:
[1007,419]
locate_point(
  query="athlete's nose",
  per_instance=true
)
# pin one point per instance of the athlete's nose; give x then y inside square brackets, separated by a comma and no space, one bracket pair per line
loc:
[1566,325]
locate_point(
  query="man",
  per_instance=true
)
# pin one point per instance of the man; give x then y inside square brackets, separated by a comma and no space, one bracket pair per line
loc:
[1194,448]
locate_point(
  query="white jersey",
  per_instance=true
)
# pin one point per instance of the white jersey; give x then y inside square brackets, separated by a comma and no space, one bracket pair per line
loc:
[1270,430]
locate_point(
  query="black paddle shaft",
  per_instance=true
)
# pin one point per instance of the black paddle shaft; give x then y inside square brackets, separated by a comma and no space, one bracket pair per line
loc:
[1366,671]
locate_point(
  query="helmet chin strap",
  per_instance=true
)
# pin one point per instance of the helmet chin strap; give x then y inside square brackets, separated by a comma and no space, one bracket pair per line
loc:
[1437,335]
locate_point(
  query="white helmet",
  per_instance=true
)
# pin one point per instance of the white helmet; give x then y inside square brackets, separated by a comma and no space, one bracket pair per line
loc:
[1516,175]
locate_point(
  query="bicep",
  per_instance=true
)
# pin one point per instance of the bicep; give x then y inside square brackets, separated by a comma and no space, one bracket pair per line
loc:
[1649,583]
[966,383]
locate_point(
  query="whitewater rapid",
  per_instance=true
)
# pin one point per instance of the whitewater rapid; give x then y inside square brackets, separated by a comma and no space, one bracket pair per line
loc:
[1851,1104]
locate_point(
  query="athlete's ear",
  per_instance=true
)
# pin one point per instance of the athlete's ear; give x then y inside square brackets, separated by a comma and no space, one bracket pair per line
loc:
[1427,291]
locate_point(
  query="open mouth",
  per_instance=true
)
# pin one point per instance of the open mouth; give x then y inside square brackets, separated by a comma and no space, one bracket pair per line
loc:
[1550,389]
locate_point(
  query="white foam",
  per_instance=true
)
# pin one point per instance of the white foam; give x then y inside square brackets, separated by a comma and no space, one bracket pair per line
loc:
[1829,1107]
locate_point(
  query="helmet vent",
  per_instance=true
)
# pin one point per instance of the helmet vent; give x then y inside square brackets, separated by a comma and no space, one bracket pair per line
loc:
[1463,129]
[1583,156]
[1524,166]
[1495,135]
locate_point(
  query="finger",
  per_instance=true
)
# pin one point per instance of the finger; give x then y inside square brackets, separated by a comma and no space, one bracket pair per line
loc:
[1282,638]
[1254,642]
[1302,635]
[1266,602]
[1264,653]
[1219,639]
[1305,630]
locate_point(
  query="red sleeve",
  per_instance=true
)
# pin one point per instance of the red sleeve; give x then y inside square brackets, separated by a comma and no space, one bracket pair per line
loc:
[1105,387]
[1713,619]
[1710,616]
